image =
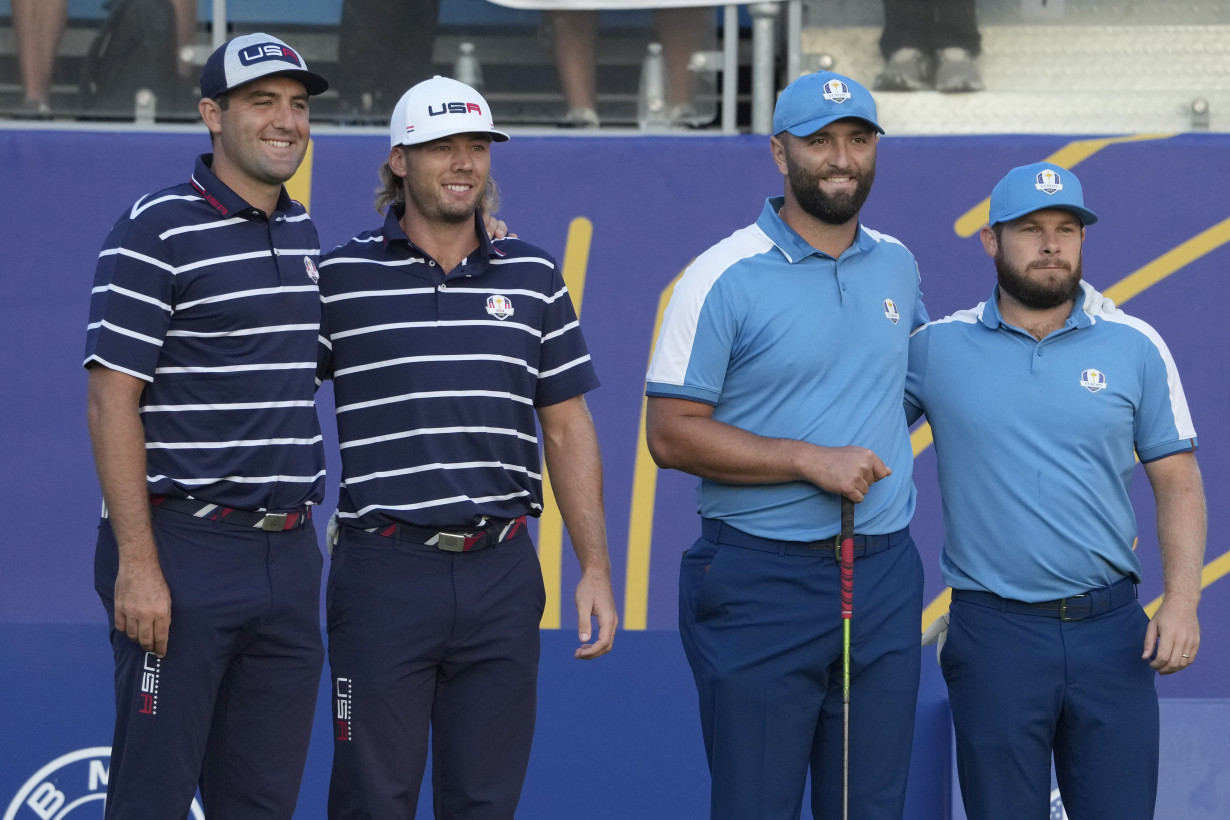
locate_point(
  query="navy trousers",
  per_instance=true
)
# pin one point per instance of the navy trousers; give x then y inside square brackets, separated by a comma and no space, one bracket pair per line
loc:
[1024,686]
[421,639]
[763,634]
[230,707]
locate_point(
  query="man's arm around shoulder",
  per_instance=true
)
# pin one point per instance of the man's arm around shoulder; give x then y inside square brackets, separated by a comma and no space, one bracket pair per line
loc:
[142,598]
[570,446]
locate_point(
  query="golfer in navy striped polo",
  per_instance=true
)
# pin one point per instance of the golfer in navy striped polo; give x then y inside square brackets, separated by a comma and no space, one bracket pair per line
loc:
[445,348]
[201,348]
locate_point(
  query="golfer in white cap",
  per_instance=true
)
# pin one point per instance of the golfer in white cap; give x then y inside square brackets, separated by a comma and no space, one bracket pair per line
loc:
[447,351]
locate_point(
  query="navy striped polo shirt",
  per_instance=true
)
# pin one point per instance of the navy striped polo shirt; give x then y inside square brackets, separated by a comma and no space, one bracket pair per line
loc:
[217,308]
[436,379]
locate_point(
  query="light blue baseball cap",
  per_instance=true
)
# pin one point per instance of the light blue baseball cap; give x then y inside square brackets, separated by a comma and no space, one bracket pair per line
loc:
[815,100]
[1035,187]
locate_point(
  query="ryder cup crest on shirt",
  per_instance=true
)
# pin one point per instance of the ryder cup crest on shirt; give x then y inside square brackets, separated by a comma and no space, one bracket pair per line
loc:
[251,57]
[890,311]
[312,273]
[815,100]
[499,306]
[441,107]
[1093,380]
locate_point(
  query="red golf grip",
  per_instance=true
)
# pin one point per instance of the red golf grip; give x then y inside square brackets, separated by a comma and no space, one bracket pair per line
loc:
[847,558]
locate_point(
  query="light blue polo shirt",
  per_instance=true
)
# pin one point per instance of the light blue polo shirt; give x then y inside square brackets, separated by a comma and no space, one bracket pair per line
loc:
[1036,443]
[786,342]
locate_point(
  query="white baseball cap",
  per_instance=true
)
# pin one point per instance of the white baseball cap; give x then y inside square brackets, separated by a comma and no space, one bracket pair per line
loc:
[440,107]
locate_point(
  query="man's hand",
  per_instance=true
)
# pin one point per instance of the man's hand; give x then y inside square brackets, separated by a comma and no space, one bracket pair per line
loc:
[595,599]
[143,605]
[848,471]
[1173,637]
[496,228]
[683,435]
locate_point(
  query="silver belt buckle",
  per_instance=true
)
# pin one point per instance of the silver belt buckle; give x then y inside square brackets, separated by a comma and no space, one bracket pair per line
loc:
[451,542]
[273,522]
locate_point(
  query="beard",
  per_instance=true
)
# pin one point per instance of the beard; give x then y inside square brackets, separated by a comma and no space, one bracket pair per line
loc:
[832,209]
[1038,293]
[424,197]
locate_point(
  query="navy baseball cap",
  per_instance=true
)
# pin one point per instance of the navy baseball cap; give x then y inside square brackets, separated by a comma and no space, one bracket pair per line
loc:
[1035,187]
[815,100]
[251,57]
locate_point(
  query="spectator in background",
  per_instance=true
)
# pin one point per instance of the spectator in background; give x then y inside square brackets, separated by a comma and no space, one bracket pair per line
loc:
[383,48]
[930,43]
[574,38]
[39,26]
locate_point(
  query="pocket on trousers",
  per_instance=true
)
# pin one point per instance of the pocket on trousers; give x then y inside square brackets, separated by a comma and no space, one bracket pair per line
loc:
[699,588]
[106,562]
[337,563]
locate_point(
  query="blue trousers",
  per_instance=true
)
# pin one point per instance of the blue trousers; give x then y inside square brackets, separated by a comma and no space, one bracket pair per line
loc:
[230,707]
[1023,687]
[763,634]
[421,639]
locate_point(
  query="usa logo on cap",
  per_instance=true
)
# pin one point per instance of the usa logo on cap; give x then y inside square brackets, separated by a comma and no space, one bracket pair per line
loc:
[836,91]
[1048,182]
[269,51]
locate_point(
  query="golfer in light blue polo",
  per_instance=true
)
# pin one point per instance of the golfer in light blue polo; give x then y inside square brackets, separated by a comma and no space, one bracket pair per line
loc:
[777,379]
[1041,399]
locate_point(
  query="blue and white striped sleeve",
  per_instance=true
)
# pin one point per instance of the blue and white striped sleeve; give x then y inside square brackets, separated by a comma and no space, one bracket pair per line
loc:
[131,302]
[1163,424]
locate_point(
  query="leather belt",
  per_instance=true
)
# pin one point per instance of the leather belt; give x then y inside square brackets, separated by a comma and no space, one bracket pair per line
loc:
[454,541]
[267,521]
[1089,604]
[720,532]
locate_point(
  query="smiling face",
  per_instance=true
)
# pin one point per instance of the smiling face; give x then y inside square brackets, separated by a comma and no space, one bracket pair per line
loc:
[260,134]
[444,179]
[1038,257]
[830,172]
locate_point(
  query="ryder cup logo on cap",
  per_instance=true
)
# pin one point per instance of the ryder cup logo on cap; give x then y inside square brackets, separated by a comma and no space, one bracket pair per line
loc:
[1048,181]
[815,100]
[836,91]
[440,107]
[251,57]
[1036,187]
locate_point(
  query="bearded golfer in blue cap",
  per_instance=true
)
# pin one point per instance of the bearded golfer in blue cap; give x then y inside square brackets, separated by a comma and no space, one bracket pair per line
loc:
[777,379]
[1041,399]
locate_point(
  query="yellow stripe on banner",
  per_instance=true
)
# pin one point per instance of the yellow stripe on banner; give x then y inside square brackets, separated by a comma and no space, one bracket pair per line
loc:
[1215,570]
[936,608]
[551,524]
[1166,264]
[299,187]
[921,438]
[1069,156]
[640,518]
